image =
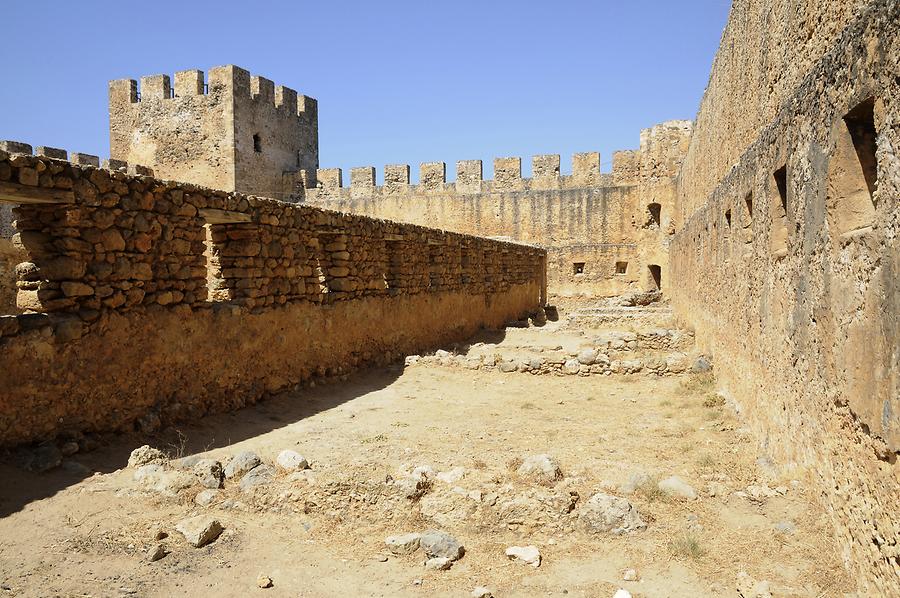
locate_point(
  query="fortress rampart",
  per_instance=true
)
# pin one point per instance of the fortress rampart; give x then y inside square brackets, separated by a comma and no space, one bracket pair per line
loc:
[787,261]
[602,231]
[151,297]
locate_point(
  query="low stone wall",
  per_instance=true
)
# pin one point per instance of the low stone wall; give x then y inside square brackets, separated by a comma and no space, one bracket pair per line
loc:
[789,275]
[166,300]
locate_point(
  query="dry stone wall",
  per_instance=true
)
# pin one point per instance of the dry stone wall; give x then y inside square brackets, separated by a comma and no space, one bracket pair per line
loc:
[786,263]
[148,296]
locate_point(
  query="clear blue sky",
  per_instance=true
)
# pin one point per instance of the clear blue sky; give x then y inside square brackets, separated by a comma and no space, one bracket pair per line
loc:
[397,82]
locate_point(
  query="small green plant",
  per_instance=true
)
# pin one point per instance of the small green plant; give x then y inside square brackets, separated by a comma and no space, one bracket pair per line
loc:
[686,546]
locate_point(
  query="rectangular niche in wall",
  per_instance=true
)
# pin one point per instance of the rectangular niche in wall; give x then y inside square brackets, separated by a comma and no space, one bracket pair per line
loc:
[747,219]
[655,277]
[578,268]
[621,267]
[654,215]
[779,201]
[853,170]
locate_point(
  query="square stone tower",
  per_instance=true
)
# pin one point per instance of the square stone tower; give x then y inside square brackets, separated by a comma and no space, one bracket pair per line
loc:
[236,133]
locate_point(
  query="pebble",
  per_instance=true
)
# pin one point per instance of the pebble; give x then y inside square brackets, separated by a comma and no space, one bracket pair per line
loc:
[541,468]
[209,472]
[622,593]
[207,497]
[157,552]
[440,563]
[241,464]
[440,544]
[264,581]
[200,530]
[291,460]
[144,455]
[630,575]
[403,543]
[452,475]
[258,476]
[481,592]
[606,513]
[526,554]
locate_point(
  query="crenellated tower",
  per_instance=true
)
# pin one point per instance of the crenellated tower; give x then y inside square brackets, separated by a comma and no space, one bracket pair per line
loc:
[235,132]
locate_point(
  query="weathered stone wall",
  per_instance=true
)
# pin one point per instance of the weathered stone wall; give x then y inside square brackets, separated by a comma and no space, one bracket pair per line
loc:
[243,133]
[145,296]
[593,225]
[787,261]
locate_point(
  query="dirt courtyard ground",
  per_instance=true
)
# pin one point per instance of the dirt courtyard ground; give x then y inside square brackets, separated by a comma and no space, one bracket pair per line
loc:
[436,447]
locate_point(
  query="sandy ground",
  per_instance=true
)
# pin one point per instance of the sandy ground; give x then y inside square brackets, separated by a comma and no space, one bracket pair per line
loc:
[71,534]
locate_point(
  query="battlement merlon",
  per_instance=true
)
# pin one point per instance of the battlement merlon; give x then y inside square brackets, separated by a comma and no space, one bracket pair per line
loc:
[229,80]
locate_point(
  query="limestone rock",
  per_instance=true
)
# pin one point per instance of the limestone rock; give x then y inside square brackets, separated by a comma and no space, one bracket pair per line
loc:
[440,544]
[170,483]
[209,473]
[606,513]
[440,563]
[508,366]
[144,455]
[701,365]
[630,575]
[587,356]
[634,482]
[541,468]
[148,474]
[241,464]
[529,555]
[291,460]
[264,582]
[207,497]
[258,476]
[622,593]
[481,592]
[200,530]
[571,367]
[675,486]
[157,552]
[451,475]
[403,543]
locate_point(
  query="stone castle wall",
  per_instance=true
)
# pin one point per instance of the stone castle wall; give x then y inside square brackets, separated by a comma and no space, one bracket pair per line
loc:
[164,298]
[599,230]
[237,132]
[786,261]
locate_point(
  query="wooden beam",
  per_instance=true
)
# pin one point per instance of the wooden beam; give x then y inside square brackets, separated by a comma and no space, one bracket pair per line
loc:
[23,194]
[213,216]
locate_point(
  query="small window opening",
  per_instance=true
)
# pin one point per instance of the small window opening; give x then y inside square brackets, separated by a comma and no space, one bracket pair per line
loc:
[655,277]
[853,170]
[621,267]
[257,143]
[748,217]
[779,211]
[654,212]
[578,268]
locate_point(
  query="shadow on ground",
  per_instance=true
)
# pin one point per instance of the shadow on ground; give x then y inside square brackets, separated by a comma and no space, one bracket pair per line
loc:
[21,487]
